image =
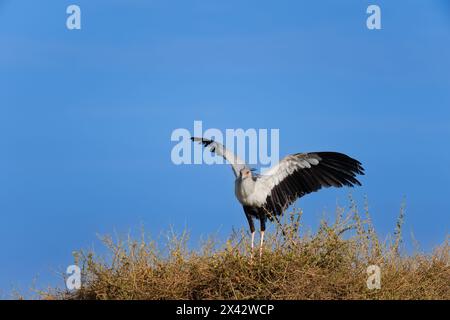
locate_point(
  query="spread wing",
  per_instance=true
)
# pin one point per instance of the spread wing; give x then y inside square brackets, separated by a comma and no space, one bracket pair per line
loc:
[237,163]
[303,173]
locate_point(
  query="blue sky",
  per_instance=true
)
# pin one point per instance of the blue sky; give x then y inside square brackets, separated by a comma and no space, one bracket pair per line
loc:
[86,115]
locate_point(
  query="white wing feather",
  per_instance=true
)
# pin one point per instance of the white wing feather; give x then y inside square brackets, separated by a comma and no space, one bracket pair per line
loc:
[236,163]
[275,175]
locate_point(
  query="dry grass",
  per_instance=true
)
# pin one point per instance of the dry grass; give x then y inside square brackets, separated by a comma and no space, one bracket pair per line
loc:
[329,264]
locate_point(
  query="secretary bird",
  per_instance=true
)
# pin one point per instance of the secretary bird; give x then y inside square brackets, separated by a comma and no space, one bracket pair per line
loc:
[265,196]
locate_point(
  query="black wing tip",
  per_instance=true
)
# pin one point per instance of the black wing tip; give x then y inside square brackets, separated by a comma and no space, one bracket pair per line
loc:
[343,168]
[354,165]
[354,183]
[203,141]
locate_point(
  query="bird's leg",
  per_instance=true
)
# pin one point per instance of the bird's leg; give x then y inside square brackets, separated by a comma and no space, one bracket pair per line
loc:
[263,228]
[261,245]
[253,244]
[252,230]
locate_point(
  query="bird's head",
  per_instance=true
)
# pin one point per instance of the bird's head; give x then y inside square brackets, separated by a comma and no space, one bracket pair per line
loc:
[246,173]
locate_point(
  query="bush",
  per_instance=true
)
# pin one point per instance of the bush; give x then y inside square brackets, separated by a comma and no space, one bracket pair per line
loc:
[328,264]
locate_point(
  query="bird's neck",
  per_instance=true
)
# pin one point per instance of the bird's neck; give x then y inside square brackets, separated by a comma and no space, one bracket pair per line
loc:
[248,184]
